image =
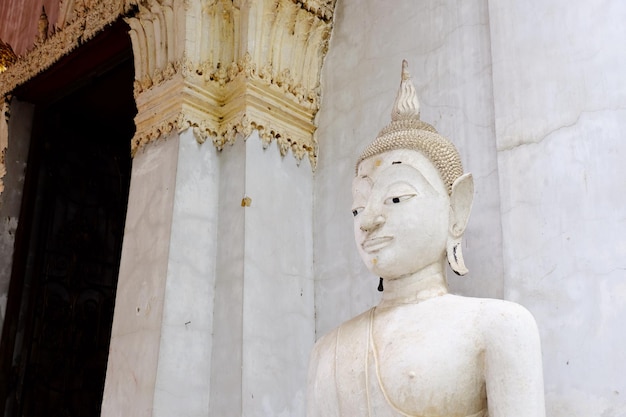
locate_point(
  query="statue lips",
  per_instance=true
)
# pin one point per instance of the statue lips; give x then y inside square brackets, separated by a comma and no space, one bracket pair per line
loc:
[376,243]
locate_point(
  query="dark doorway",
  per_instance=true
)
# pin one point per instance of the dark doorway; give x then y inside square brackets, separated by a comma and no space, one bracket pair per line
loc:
[57,330]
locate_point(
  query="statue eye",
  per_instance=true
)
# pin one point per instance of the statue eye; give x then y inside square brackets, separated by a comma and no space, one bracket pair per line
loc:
[399,199]
[356,211]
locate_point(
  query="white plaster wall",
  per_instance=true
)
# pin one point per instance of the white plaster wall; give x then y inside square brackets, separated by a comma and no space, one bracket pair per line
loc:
[278,312]
[19,129]
[184,363]
[560,107]
[136,334]
[226,372]
[448,49]
[264,316]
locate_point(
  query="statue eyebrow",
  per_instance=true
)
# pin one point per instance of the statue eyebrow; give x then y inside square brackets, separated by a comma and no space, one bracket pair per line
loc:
[396,162]
[421,177]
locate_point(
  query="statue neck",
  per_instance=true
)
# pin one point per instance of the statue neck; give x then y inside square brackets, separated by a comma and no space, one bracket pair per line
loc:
[426,283]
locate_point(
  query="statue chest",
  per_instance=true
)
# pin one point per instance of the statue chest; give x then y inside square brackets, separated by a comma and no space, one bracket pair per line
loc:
[417,365]
[425,366]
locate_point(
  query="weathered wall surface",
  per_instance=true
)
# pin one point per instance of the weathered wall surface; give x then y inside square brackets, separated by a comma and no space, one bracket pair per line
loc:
[560,107]
[534,96]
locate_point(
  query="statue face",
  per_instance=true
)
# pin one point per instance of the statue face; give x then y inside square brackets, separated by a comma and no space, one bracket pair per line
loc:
[401,213]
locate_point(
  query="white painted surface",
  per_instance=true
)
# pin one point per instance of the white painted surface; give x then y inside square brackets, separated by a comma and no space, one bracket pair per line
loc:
[226,372]
[264,323]
[137,320]
[560,106]
[184,364]
[278,311]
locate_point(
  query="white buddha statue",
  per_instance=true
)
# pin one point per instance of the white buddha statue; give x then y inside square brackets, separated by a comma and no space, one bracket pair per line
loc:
[422,352]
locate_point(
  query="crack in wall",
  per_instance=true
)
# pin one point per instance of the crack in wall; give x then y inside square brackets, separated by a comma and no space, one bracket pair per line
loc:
[548,135]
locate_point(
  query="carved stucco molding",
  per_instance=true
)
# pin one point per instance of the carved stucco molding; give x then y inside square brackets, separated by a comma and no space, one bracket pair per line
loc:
[79,21]
[255,64]
[241,124]
[324,9]
[219,114]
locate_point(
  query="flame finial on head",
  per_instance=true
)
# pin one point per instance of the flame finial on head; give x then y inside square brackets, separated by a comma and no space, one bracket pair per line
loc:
[406,106]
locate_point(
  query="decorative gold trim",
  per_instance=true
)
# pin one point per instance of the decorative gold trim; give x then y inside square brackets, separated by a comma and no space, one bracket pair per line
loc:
[324,9]
[224,67]
[4,137]
[79,21]
[219,114]
[78,24]
[7,56]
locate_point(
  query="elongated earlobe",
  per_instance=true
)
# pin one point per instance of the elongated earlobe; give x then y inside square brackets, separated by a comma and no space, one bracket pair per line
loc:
[461,199]
[455,256]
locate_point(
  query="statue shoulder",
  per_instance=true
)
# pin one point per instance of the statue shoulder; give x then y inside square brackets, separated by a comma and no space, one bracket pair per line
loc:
[502,313]
[505,326]
[335,349]
[512,355]
[339,342]
[496,317]
[354,326]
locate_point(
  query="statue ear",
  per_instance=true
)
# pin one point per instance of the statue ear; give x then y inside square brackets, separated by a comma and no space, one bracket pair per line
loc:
[461,199]
[461,204]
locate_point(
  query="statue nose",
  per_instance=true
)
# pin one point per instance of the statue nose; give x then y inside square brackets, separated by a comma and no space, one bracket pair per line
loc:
[372,222]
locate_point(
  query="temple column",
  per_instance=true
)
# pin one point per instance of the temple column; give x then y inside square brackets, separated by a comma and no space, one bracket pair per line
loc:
[263,325]
[139,320]
[214,312]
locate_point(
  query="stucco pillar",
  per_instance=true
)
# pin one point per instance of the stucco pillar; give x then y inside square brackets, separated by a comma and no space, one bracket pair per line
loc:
[138,317]
[214,312]
[263,317]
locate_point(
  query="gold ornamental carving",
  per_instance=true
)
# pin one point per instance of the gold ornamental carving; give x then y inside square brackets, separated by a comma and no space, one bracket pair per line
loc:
[7,56]
[78,22]
[224,67]
[4,138]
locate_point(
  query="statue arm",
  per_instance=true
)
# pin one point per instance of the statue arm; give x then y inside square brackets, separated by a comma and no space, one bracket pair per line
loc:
[321,387]
[513,369]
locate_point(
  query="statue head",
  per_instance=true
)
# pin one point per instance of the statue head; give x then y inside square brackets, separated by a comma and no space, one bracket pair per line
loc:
[411,198]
